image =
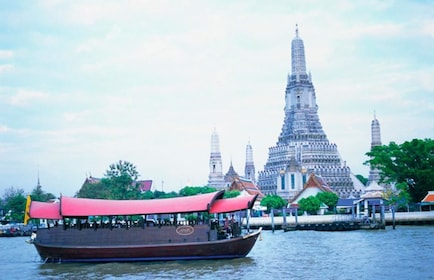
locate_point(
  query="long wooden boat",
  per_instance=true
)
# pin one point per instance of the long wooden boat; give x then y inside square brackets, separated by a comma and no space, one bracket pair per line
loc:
[79,233]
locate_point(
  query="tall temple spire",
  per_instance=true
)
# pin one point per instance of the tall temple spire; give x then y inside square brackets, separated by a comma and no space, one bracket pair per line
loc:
[215,178]
[375,132]
[303,147]
[249,170]
[297,55]
[374,173]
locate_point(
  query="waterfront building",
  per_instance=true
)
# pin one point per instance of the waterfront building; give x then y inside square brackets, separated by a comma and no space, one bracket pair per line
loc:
[215,178]
[313,186]
[302,147]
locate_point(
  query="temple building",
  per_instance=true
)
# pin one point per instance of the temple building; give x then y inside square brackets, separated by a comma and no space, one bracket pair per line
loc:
[217,179]
[302,147]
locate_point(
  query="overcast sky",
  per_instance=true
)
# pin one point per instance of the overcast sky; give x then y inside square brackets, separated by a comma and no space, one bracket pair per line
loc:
[84,84]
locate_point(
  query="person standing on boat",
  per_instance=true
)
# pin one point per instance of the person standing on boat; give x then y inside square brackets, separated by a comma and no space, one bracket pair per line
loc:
[227,226]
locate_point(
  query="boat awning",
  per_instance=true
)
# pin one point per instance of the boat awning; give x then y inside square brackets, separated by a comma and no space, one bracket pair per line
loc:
[233,204]
[82,207]
[44,210]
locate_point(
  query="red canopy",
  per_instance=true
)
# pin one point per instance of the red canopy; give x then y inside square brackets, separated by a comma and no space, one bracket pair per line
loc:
[81,207]
[45,210]
[233,204]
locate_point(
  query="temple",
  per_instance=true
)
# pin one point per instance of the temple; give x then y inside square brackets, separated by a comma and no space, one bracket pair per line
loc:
[302,147]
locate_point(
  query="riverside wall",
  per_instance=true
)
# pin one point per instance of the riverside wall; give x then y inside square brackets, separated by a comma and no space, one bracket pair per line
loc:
[401,218]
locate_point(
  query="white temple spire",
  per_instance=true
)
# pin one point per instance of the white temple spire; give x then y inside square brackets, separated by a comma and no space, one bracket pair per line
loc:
[216,178]
[297,55]
[249,170]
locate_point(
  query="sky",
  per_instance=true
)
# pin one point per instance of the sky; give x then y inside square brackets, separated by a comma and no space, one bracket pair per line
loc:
[84,84]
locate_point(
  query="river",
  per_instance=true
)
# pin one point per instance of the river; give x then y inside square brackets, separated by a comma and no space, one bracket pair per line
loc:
[404,253]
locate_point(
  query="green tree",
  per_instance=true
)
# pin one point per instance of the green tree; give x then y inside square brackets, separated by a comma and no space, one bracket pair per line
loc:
[189,191]
[230,194]
[147,195]
[94,190]
[273,201]
[121,181]
[399,197]
[309,204]
[410,162]
[362,179]
[328,198]
[14,204]
[38,194]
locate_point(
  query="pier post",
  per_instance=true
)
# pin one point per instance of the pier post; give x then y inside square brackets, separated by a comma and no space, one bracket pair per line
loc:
[382,219]
[248,219]
[296,216]
[272,218]
[393,216]
[284,216]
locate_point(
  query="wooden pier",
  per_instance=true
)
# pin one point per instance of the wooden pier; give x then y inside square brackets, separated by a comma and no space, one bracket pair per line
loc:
[325,221]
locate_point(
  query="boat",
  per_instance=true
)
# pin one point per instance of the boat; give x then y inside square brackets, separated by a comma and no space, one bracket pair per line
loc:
[98,230]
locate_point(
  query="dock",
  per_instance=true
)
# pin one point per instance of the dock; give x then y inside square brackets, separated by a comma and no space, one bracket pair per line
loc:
[324,221]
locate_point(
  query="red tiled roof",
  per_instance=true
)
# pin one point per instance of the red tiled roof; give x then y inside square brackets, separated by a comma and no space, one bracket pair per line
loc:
[314,182]
[145,185]
[429,197]
[241,184]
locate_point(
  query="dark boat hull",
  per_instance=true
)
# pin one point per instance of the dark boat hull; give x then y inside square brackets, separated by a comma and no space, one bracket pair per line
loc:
[107,252]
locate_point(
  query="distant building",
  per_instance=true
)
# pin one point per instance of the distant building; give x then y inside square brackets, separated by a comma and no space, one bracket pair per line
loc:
[302,147]
[230,176]
[427,202]
[144,185]
[314,185]
[246,185]
[231,180]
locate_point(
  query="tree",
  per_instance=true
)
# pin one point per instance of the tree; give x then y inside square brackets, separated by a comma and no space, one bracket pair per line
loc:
[362,179]
[231,194]
[121,181]
[14,204]
[410,162]
[93,190]
[399,197]
[328,198]
[38,194]
[189,191]
[273,201]
[310,204]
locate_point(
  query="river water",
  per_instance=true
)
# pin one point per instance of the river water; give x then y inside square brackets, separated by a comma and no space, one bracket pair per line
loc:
[404,253]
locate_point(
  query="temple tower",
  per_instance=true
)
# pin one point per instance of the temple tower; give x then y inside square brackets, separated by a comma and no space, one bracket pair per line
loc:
[249,169]
[216,178]
[374,173]
[302,146]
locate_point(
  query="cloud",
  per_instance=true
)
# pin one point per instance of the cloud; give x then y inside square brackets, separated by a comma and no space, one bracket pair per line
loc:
[25,97]
[6,54]
[146,81]
[4,68]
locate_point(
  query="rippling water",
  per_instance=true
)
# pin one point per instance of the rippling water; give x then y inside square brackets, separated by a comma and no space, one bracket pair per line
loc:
[404,253]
